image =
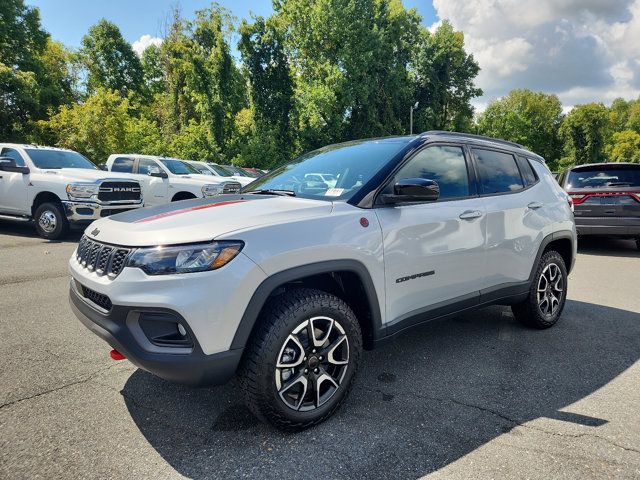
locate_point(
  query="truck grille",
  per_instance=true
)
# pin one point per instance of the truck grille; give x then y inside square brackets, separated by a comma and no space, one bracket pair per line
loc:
[231,187]
[119,191]
[101,258]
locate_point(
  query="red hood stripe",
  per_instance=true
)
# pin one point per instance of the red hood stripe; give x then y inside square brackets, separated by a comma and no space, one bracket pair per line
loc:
[185,210]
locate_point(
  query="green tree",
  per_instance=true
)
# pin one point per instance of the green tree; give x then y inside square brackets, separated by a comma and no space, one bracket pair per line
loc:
[103,125]
[444,75]
[532,119]
[624,147]
[584,131]
[153,69]
[110,60]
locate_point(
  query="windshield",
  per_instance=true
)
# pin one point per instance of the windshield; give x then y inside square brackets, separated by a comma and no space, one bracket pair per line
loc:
[627,176]
[349,165]
[178,167]
[202,169]
[223,172]
[53,159]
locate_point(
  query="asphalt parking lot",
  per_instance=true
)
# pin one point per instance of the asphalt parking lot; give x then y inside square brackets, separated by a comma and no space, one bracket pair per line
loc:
[475,397]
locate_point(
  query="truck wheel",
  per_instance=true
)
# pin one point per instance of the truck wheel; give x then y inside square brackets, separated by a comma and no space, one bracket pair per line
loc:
[300,363]
[547,294]
[51,222]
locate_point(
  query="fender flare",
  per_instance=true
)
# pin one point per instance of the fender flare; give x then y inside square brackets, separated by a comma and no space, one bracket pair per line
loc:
[559,235]
[270,284]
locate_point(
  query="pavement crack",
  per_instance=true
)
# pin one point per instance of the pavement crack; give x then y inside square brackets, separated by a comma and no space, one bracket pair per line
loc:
[86,379]
[513,421]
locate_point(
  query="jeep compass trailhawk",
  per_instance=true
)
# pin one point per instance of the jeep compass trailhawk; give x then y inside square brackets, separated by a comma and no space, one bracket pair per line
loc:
[287,282]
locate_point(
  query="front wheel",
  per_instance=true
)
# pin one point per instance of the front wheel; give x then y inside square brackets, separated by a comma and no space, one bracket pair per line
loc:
[51,222]
[300,364]
[547,294]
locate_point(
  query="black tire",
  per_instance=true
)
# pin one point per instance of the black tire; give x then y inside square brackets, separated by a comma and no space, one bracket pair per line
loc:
[183,196]
[530,312]
[51,223]
[258,374]
[638,243]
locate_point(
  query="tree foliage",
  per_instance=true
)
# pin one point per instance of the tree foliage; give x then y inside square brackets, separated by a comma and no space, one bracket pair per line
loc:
[584,131]
[532,119]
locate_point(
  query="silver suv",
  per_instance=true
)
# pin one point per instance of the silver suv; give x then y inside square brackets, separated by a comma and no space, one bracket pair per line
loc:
[286,283]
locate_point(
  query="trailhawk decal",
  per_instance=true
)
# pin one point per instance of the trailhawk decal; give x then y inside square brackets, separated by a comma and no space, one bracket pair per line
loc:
[187,210]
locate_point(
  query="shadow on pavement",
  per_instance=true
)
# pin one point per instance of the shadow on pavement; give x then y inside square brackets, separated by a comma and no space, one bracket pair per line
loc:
[613,247]
[420,403]
[28,230]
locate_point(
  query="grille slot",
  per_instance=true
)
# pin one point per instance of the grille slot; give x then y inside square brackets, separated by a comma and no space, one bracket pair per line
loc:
[104,259]
[231,187]
[99,299]
[118,191]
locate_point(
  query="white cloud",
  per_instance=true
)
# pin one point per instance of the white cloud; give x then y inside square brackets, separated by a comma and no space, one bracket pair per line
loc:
[581,50]
[145,41]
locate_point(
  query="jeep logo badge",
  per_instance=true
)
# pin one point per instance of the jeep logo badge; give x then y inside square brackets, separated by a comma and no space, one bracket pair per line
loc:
[95,232]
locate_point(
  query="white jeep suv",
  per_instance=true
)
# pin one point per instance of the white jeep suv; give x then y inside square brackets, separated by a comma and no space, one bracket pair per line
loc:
[165,180]
[286,283]
[59,189]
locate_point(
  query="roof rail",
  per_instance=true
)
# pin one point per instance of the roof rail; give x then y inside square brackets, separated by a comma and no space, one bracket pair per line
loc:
[471,135]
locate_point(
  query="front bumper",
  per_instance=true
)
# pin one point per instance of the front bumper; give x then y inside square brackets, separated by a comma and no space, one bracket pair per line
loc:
[120,328]
[86,212]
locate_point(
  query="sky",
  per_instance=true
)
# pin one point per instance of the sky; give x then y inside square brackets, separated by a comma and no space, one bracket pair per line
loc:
[580,50]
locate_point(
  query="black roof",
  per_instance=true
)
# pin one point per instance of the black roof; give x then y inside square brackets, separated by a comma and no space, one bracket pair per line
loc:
[472,136]
[611,165]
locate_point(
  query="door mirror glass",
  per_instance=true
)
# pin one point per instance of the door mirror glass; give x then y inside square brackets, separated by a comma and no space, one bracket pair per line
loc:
[156,172]
[8,164]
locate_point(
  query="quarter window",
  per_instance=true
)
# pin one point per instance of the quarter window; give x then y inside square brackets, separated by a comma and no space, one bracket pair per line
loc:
[528,174]
[498,172]
[12,153]
[444,164]
[123,165]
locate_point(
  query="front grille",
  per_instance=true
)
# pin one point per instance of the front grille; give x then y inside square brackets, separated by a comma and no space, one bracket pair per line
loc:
[119,191]
[231,187]
[98,298]
[101,258]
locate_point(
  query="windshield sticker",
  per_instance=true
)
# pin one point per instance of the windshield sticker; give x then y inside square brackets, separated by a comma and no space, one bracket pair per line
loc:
[334,192]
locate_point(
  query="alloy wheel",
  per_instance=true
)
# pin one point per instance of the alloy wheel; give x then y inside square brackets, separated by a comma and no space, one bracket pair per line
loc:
[312,363]
[550,290]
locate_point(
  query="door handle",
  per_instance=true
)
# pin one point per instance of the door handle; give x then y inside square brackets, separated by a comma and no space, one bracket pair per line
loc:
[470,214]
[534,205]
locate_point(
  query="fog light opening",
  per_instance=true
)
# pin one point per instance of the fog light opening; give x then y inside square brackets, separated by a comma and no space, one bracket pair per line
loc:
[182,330]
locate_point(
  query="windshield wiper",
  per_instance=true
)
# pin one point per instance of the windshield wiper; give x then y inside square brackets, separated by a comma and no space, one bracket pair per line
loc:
[274,191]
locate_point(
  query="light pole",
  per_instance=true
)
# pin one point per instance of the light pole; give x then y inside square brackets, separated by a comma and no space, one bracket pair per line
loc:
[411,109]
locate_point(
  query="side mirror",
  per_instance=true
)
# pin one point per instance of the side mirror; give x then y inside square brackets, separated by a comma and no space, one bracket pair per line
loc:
[413,190]
[8,164]
[156,172]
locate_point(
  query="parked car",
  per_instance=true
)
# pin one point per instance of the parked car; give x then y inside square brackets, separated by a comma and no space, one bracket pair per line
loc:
[606,198]
[59,189]
[221,173]
[286,284]
[166,180]
[239,171]
[255,171]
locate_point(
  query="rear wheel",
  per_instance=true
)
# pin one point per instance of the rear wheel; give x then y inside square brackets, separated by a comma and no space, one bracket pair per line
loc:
[301,363]
[51,222]
[547,294]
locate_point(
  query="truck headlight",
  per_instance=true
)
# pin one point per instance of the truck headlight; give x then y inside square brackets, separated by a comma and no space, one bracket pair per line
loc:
[81,190]
[210,190]
[184,258]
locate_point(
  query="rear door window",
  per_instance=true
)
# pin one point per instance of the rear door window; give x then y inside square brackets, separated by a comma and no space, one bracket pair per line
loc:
[498,172]
[528,174]
[123,165]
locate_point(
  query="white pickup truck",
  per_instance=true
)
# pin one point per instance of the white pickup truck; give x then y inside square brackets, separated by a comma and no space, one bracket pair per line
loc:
[59,189]
[165,180]
[219,172]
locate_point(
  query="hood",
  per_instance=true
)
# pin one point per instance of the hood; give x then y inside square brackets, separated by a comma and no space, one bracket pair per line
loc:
[244,181]
[202,220]
[199,179]
[84,174]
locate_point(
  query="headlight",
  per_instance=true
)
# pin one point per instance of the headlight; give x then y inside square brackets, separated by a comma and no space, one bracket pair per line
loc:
[210,190]
[82,190]
[184,258]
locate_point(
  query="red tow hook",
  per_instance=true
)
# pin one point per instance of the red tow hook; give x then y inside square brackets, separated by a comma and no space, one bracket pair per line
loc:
[116,355]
